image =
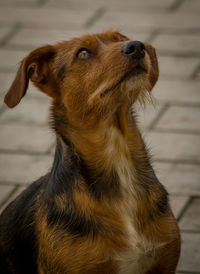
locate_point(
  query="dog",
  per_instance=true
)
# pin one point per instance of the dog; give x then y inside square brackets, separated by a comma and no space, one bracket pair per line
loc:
[101,208]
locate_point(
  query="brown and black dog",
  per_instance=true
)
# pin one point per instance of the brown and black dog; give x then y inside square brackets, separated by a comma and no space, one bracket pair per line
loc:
[101,208]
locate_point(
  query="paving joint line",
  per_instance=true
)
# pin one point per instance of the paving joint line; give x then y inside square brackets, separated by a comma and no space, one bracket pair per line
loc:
[176,5]
[50,149]
[17,5]
[178,131]
[11,183]
[23,152]
[14,30]
[190,231]
[95,17]
[158,116]
[8,70]
[153,35]
[178,54]
[176,161]
[2,109]
[10,198]
[186,272]
[172,77]
[185,208]
[16,47]
[182,104]
[188,31]
[41,3]
[22,123]
[196,196]
[195,72]
[7,197]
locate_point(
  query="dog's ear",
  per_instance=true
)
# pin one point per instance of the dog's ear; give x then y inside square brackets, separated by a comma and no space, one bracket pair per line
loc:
[154,71]
[36,67]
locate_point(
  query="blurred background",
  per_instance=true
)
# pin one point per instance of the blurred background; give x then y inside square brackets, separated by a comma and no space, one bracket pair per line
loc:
[171,128]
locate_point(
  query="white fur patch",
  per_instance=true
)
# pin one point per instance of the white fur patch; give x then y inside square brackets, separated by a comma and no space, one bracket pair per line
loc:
[97,92]
[140,255]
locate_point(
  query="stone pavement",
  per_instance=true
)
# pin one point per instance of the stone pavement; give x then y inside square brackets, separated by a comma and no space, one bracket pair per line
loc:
[171,128]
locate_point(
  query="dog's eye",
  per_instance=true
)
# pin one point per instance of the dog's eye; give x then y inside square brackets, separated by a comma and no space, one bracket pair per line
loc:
[83,54]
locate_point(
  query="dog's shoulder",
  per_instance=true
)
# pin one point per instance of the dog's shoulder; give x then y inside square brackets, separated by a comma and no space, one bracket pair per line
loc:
[17,236]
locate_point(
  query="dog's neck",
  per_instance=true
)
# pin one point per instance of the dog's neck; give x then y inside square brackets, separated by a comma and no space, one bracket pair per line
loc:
[111,164]
[110,155]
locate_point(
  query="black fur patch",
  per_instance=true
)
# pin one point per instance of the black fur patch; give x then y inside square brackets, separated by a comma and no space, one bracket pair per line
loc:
[18,243]
[72,221]
[64,173]
[62,72]
[162,203]
[64,180]
[101,184]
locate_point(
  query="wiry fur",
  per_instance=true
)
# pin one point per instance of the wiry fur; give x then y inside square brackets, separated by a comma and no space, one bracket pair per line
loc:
[101,208]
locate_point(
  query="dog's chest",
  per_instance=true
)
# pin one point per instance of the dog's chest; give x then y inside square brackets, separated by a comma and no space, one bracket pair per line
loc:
[133,262]
[139,256]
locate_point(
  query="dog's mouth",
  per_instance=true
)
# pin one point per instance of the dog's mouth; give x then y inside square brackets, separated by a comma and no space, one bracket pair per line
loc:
[138,70]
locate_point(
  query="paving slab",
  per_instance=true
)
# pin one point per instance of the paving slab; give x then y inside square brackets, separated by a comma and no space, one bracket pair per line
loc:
[3,32]
[10,59]
[192,6]
[25,138]
[18,2]
[136,35]
[178,203]
[31,38]
[30,111]
[190,253]
[48,18]
[34,92]
[112,4]
[179,179]
[184,118]
[174,146]
[17,190]
[148,21]
[177,91]
[70,4]
[23,169]
[197,76]
[191,218]
[34,99]
[5,191]
[172,27]
[6,79]
[177,67]
[187,272]
[178,44]
[147,114]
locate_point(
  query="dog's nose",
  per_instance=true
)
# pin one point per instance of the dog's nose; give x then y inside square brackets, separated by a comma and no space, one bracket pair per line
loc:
[135,49]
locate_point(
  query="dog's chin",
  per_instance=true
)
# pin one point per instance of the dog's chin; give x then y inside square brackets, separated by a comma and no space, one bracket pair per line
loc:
[138,71]
[135,85]
[132,80]
[137,80]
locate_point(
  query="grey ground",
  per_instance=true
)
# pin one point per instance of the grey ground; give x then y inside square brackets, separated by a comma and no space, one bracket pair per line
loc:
[171,129]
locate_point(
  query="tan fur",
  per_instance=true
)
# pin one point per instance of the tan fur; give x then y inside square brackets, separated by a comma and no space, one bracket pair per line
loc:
[92,109]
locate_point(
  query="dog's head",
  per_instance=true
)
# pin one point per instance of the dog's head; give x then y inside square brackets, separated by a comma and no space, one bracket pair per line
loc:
[90,74]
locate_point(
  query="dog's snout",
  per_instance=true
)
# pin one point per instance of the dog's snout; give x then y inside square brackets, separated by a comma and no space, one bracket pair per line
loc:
[135,49]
